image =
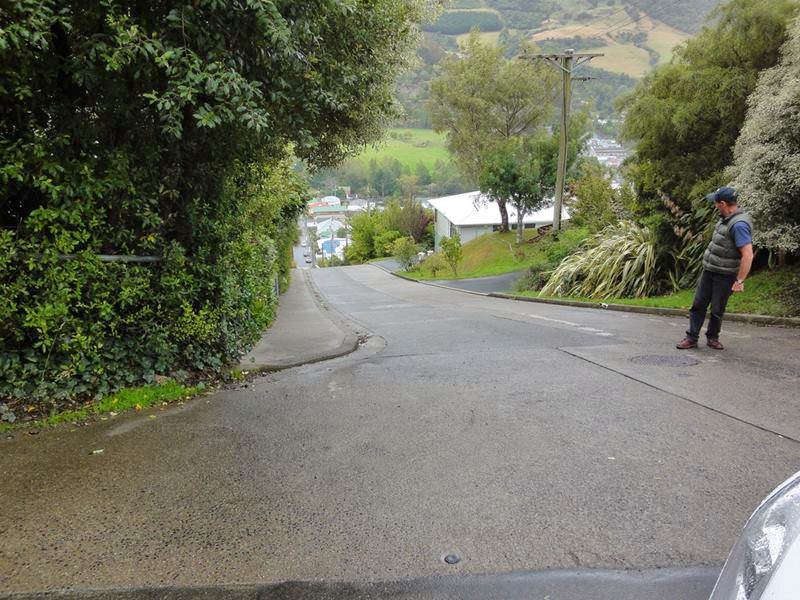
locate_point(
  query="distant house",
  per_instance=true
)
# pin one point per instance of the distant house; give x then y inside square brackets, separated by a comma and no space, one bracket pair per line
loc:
[328,227]
[324,212]
[608,152]
[472,214]
[340,212]
[330,247]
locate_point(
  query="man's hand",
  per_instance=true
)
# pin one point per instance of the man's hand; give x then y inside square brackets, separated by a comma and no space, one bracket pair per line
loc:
[738,286]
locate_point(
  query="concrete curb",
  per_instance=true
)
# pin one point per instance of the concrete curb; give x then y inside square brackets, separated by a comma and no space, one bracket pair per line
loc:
[439,285]
[649,310]
[343,349]
[350,341]
[654,310]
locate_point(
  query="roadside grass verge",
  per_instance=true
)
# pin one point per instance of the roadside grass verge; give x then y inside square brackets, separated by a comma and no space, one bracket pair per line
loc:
[137,398]
[498,253]
[762,296]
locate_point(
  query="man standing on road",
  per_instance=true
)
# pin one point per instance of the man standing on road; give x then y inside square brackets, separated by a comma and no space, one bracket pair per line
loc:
[726,263]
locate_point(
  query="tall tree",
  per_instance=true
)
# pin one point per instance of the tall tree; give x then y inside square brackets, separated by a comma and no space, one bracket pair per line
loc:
[511,174]
[685,116]
[523,171]
[767,152]
[481,100]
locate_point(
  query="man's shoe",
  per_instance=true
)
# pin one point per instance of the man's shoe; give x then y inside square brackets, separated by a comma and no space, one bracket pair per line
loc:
[686,343]
[715,344]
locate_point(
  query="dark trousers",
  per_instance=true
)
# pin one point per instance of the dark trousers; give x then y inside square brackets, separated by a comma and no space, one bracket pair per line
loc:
[714,289]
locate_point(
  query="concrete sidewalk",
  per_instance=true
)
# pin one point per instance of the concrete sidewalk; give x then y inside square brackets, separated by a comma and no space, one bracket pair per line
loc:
[303,332]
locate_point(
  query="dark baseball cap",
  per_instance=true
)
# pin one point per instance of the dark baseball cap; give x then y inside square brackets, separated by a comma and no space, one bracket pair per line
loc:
[723,194]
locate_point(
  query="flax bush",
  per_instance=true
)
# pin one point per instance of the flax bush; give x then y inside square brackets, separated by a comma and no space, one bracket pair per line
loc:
[619,261]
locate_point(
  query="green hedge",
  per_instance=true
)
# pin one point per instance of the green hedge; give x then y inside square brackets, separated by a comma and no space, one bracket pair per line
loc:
[75,327]
[148,128]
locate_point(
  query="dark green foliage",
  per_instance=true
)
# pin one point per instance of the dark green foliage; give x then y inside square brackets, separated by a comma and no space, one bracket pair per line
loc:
[790,290]
[686,116]
[552,250]
[601,91]
[686,16]
[535,278]
[692,229]
[77,327]
[524,14]
[162,129]
[373,233]
[454,22]
[555,45]
[383,178]
[595,200]
[767,166]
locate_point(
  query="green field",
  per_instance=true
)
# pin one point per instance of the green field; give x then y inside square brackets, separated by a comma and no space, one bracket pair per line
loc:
[622,58]
[486,37]
[409,146]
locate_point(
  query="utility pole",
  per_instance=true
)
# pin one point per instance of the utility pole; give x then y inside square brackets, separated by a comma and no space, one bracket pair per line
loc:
[567,62]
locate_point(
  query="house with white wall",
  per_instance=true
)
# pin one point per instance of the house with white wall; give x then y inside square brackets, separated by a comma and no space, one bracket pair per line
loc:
[473,214]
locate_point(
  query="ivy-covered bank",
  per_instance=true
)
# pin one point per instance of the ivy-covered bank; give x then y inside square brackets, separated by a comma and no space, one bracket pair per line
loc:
[76,324]
[168,131]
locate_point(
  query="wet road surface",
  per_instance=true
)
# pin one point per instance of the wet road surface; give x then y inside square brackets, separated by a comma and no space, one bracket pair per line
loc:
[521,437]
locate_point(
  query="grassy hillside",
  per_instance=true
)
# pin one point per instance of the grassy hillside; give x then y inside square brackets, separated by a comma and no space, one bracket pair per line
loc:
[496,253]
[634,35]
[686,16]
[622,58]
[409,146]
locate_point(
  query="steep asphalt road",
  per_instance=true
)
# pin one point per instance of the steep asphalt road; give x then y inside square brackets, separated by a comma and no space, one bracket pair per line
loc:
[518,436]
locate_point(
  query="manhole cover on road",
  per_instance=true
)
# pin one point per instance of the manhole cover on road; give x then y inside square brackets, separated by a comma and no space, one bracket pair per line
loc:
[665,360]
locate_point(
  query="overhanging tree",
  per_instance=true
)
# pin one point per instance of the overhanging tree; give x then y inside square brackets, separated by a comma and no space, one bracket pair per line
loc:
[685,118]
[152,128]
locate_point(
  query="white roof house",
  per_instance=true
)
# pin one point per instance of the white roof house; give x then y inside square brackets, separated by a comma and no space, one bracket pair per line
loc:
[473,214]
[325,227]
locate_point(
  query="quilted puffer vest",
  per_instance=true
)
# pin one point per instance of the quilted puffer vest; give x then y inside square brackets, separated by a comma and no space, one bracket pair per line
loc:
[722,255]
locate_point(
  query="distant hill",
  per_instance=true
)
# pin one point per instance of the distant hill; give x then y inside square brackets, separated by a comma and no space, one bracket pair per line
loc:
[685,15]
[633,35]
[646,30]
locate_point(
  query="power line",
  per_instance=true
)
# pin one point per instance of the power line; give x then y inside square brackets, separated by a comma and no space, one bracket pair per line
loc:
[566,63]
